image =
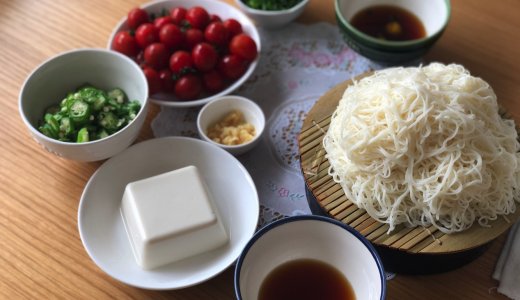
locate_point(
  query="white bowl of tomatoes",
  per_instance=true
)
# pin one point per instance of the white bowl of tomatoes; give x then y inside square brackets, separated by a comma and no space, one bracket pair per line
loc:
[191,51]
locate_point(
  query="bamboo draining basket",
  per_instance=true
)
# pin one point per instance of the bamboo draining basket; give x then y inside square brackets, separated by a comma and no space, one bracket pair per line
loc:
[407,250]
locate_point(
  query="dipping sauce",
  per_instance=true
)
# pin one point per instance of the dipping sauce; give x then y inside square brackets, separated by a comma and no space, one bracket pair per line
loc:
[389,22]
[306,279]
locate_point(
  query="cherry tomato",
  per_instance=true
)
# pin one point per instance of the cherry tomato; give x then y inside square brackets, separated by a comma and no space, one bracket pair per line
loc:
[140,59]
[181,62]
[192,37]
[214,18]
[136,16]
[204,56]
[156,55]
[213,81]
[160,22]
[146,34]
[216,34]
[197,17]
[167,82]
[232,66]
[171,36]
[188,87]
[125,43]
[154,82]
[233,27]
[243,46]
[178,15]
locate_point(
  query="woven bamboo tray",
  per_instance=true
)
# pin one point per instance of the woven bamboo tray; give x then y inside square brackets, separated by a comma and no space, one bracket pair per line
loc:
[405,250]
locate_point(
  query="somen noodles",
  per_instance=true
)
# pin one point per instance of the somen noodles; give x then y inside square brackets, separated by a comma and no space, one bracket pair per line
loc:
[425,146]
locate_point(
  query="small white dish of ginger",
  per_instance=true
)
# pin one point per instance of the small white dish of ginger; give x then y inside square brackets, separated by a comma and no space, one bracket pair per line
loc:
[233,123]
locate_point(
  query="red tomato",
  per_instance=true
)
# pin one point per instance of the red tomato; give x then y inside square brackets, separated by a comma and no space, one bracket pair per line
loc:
[232,66]
[154,82]
[197,17]
[156,55]
[160,22]
[213,81]
[167,82]
[180,62]
[146,34]
[136,16]
[192,37]
[140,59]
[188,87]
[125,43]
[233,27]
[214,18]
[243,46]
[216,33]
[171,36]
[204,56]
[178,15]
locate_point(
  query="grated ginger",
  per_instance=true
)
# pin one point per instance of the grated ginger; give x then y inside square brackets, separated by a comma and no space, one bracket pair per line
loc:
[232,130]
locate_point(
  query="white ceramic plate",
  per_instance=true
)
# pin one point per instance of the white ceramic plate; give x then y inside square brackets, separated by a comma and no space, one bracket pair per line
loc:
[224,11]
[101,226]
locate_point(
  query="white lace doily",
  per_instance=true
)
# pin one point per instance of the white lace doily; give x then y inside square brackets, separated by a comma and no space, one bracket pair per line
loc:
[298,64]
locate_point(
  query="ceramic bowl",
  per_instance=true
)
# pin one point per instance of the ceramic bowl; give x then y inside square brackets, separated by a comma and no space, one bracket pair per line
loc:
[273,19]
[217,109]
[50,82]
[434,15]
[310,237]
[224,11]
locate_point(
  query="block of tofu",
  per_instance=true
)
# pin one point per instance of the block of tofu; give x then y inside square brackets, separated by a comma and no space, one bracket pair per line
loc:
[170,217]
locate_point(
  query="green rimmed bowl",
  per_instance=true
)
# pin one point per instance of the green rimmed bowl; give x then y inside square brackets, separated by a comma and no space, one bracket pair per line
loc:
[434,14]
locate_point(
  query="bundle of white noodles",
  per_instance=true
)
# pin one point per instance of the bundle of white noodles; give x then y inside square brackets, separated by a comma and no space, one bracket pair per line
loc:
[425,146]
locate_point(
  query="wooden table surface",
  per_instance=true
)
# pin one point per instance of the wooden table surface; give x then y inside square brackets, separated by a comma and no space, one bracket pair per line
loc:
[41,254]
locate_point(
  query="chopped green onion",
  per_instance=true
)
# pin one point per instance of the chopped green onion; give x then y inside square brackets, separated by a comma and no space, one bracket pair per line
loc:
[99,103]
[66,126]
[83,135]
[102,134]
[271,4]
[79,112]
[53,123]
[88,114]
[48,131]
[118,95]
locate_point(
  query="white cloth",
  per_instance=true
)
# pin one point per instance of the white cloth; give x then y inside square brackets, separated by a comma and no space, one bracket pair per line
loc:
[298,64]
[507,269]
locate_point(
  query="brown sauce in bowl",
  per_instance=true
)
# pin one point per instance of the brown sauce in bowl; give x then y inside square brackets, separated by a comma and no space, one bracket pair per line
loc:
[389,22]
[306,279]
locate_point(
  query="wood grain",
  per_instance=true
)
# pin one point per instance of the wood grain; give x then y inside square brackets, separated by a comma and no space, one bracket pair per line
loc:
[41,255]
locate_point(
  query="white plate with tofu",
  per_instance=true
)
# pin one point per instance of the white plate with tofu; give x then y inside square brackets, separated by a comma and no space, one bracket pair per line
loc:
[229,214]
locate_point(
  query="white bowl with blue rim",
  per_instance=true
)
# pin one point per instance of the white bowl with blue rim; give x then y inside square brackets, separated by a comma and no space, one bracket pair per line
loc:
[310,237]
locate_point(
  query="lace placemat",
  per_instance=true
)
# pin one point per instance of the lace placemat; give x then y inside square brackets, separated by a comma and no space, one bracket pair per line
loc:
[298,64]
